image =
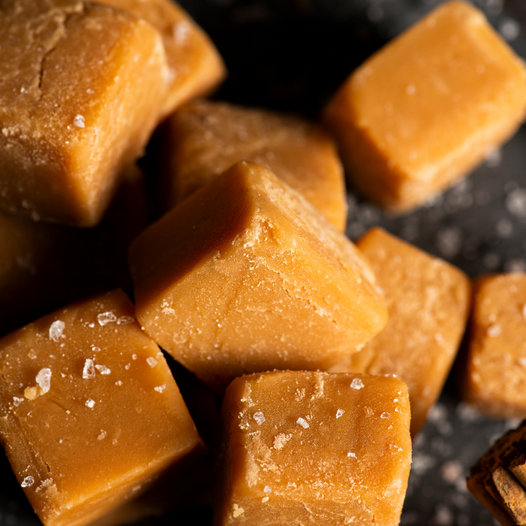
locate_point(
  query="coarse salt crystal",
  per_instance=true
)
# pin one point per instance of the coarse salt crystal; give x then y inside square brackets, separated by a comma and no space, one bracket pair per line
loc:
[102,435]
[302,422]
[90,403]
[124,320]
[56,330]
[119,383]
[78,121]
[106,317]
[17,401]
[27,482]
[350,454]
[44,379]
[267,489]
[89,369]
[103,369]
[160,388]
[339,413]
[357,384]
[385,414]
[259,417]
[152,362]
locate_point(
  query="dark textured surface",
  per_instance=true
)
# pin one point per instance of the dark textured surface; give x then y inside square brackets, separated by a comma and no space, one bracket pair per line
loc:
[292,55]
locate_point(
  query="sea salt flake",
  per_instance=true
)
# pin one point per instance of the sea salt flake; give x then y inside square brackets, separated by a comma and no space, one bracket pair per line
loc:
[56,330]
[385,414]
[90,403]
[267,489]
[103,369]
[44,379]
[78,121]
[350,454]
[89,369]
[357,384]
[119,383]
[302,422]
[259,417]
[237,511]
[160,388]
[17,401]
[124,320]
[106,317]
[264,499]
[27,482]
[102,435]
[339,413]
[152,362]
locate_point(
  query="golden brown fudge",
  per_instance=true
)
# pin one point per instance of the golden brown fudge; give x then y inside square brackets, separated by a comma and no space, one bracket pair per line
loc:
[72,115]
[245,276]
[314,448]
[496,365]
[195,66]
[90,413]
[428,302]
[498,479]
[427,108]
[204,138]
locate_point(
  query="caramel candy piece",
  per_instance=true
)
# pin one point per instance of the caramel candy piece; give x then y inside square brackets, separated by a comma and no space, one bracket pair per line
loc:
[205,138]
[428,107]
[195,66]
[496,363]
[245,276]
[315,448]
[428,302]
[73,116]
[497,479]
[90,414]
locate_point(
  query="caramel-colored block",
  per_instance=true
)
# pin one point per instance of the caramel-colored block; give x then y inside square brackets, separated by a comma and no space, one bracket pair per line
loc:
[204,138]
[72,115]
[428,302]
[427,108]
[314,448]
[496,363]
[195,66]
[245,276]
[89,412]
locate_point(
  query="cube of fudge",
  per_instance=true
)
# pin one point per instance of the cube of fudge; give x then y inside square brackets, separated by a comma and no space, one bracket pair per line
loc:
[314,448]
[73,117]
[203,139]
[195,66]
[427,108]
[90,413]
[245,276]
[496,361]
[428,302]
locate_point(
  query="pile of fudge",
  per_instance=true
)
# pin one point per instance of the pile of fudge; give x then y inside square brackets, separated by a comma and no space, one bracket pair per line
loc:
[327,354]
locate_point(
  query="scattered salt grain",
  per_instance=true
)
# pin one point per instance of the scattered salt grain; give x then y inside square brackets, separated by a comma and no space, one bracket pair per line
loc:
[237,511]
[267,489]
[78,121]
[339,413]
[160,388]
[259,417]
[17,401]
[27,482]
[89,369]
[102,435]
[106,317]
[94,348]
[280,440]
[385,414]
[44,379]
[302,422]
[90,403]
[357,384]
[56,330]
[124,320]
[494,330]
[103,369]
[152,362]
[119,383]
[350,454]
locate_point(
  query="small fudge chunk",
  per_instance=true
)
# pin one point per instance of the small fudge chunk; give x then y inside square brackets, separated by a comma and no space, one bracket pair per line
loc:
[195,66]
[204,138]
[73,116]
[89,411]
[314,448]
[245,276]
[428,302]
[498,479]
[428,107]
[496,365]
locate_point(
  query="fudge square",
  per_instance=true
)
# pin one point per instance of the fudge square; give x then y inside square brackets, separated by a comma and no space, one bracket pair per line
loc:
[203,138]
[428,302]
[496,363]
[314,448]
[73,117]
[245,276]
[427,108]
[90,414]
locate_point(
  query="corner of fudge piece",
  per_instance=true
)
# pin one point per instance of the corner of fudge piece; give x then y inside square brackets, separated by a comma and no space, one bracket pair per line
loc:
[428,107]
[311,447]
[246,276]
[90,414]
[428,301]
[73,116]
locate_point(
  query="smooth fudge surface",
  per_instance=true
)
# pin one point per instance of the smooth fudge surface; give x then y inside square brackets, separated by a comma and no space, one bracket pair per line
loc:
[245,276]
[73,117]
[428,301]
[195,66]
[314,448]
[204,138]
[428,107]
[89,412]
[495,380]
